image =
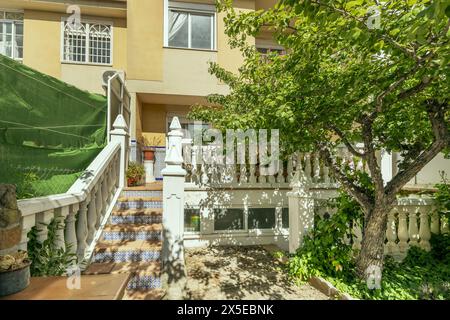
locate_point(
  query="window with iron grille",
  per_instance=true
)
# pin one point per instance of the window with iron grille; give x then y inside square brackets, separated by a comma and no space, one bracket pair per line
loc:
[11,34]
[87,43]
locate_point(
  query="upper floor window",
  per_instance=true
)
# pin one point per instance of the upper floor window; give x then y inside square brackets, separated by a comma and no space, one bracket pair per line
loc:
[90,43]
[190,25]
[11,34]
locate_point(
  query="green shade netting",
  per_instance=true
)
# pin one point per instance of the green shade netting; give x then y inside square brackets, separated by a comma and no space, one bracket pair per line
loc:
[50,131]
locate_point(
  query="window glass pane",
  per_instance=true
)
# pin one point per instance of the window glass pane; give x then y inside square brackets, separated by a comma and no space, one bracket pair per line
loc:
[201,31]
[178,29]
[228,219]
[261,218]
[285,218]
[18,45]
[192,220]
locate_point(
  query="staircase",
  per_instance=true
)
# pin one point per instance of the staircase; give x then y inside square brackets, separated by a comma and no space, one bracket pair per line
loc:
[131,242]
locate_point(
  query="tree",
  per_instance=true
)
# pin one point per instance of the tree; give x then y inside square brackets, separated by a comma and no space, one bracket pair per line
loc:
[349,75]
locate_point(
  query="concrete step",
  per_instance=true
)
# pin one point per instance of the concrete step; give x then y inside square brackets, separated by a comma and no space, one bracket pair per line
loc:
[143,275]
[138,203]
[136,216]
[124,232]
[155,294]
[141,193]
[127,251]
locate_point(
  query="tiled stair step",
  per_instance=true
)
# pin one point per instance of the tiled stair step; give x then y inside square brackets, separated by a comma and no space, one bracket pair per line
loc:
[127,251]
[141,193]
[123,232]
[143,275]
[155,294]
[137,216]
[138,202]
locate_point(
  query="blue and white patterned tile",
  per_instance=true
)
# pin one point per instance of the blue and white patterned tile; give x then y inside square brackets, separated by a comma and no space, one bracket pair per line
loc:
[141,193]
[132,219]
[138,204]
[144,282]
[126,256]
[132,235]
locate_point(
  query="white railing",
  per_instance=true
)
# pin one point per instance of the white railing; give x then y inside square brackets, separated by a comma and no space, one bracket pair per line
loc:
[410,223]
[81,210]
[200,173]
[84,209]
[119,100]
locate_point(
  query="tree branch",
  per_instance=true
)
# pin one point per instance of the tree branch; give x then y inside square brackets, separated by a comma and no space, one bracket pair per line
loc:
[357,192]
[347,143]
[436,114]
[372,162]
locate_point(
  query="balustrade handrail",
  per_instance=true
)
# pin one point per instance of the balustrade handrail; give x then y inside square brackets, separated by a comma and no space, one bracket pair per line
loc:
[78,192]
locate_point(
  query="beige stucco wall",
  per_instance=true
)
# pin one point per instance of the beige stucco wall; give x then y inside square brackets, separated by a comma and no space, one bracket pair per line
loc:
[42,41]
[231,59]
[145,39]
[42,50]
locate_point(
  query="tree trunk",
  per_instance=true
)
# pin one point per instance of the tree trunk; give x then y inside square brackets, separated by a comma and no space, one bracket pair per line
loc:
[371,256]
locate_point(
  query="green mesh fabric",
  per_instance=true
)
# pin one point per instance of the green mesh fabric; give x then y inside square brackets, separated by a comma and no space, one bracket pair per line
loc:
[49,131]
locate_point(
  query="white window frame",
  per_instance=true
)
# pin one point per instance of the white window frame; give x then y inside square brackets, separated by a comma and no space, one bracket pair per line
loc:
[13,21]
[89,21]
[207,9]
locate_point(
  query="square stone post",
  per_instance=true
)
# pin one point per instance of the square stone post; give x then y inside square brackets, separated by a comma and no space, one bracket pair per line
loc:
[301,210]
[174,277]
[120,134]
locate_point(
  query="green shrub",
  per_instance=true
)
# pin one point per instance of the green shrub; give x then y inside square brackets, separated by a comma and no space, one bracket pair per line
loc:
[46,259]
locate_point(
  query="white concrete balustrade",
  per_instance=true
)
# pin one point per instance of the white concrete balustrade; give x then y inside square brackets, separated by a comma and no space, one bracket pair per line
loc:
[85,207]
[209,173]
[410,223]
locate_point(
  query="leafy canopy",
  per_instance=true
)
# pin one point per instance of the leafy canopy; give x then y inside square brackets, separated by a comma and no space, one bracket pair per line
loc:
[338,71]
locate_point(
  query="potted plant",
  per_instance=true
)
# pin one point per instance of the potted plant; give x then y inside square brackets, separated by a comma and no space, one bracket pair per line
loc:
[149,153]
[135,173]
[14,264]
[151,142]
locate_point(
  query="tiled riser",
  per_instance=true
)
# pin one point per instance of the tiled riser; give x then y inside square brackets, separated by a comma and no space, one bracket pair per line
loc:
[143,194]
[126,256]
[132,235]
[138,205]
[136,219]
[144,282]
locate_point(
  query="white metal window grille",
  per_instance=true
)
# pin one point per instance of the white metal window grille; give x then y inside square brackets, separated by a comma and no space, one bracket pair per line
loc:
[11,34]
[90,43]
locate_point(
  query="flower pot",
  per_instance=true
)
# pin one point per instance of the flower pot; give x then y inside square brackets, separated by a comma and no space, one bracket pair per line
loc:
[131,182]
[149,154]
[14,281]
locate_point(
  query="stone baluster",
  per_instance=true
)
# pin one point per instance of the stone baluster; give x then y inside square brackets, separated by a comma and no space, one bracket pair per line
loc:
[91,216]
[316,168]
[104,189]
[116,172]
[242,173]
[82,229]
[307,171]
[28,222]
[60,218]
[434,222]
[280,174]
[402,232]
[413,229]
[424,231]
[326,174]
[42,220]
[391,235]
[70,233]
[252,177]
[99,204]
[204,176]
[290,169]
[357,236]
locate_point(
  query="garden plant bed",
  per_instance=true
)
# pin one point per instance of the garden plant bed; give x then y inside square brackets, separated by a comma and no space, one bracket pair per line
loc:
[241,273]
